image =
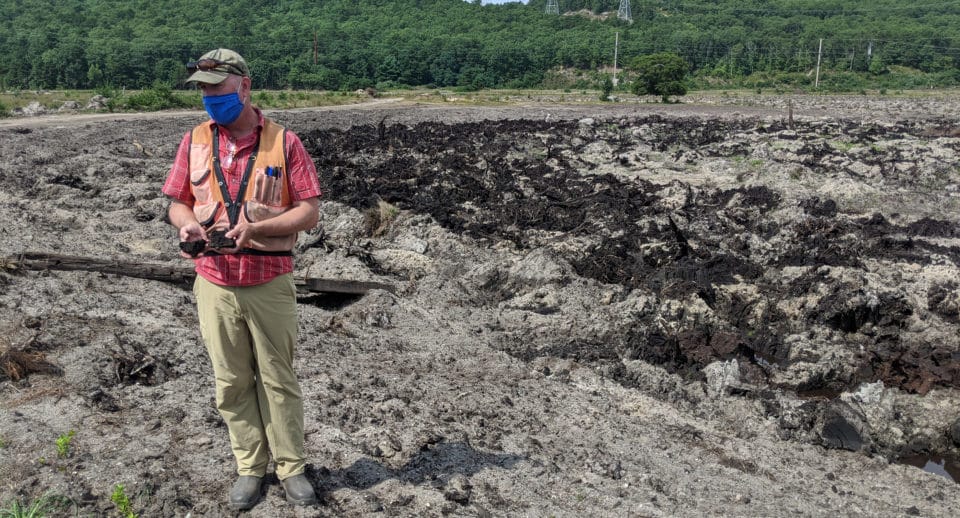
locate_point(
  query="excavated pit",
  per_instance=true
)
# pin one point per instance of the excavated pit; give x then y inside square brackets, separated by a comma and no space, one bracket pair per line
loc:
[524,181]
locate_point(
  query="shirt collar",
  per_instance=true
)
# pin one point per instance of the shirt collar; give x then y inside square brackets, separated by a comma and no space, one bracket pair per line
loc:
[225,132]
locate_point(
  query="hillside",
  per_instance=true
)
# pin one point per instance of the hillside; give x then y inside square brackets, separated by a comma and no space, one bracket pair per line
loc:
[340,44]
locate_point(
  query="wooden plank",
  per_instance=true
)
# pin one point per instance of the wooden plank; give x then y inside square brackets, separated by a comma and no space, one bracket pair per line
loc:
[44,261]
[345,286]
[166,273]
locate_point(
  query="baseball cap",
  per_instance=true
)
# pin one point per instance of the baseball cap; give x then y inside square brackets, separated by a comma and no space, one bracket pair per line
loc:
[214,66]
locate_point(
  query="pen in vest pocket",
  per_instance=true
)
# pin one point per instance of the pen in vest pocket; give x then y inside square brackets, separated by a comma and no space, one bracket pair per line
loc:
[266,186]
[275,194]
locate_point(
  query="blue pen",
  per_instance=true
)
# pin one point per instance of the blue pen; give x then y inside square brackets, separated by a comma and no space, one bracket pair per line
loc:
[269,171]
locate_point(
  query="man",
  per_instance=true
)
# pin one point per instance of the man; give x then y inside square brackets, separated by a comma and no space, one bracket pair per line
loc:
[244,178]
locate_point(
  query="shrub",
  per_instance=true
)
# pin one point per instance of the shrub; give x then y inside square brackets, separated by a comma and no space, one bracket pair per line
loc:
[606,88]
[264,99]
[159,97]
[63,444]
[122,501]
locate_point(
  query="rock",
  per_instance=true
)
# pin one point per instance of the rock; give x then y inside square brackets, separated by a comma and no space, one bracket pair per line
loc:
[32,109]
[869,393]
[944,300]
[203,440]
[413,244]
[955,432]
[539,267]
[720,376]
[458,490]
[97,102]
[407,261]
[843,427]
[69,106]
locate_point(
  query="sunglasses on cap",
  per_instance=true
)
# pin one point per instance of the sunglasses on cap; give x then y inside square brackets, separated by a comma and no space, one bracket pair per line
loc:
[212,64]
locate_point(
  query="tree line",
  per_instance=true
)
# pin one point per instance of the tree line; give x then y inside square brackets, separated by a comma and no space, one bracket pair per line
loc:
[350,44]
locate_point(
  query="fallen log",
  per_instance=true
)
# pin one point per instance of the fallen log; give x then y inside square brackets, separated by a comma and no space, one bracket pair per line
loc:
[160,272]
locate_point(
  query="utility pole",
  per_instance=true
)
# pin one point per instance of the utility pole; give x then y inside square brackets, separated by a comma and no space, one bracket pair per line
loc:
[314,48]
[816,82]
[624,12]
[616,45]
[553,7]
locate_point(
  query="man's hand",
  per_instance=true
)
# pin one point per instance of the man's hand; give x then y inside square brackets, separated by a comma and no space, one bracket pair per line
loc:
[188,229]
[243,233]
[191,233]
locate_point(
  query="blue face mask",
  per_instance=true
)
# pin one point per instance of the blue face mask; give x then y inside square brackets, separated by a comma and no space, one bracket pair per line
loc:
[223,109]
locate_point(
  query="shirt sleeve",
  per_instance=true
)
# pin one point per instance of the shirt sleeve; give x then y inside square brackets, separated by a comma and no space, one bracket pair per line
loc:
[177,185]
[304,182]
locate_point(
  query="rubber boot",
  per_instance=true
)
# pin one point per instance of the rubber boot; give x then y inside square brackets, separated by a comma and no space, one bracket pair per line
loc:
[299,490]
[244,493]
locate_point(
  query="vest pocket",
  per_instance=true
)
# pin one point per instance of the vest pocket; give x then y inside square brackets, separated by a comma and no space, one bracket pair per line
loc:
[200,171]
[206,213]
[254,211]
[199,176]
[268,190]
[200,184]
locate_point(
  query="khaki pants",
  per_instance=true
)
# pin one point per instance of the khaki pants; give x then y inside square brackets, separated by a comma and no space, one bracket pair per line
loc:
[250,334]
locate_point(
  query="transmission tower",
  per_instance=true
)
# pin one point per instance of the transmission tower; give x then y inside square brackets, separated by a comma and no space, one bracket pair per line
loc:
[624,12]
[553,7]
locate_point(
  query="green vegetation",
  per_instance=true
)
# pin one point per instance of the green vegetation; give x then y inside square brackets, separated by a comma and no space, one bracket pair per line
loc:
[63,444]
[47,505]
[606,88]
[660,74]
[344,45]
[122,501]
[159,97]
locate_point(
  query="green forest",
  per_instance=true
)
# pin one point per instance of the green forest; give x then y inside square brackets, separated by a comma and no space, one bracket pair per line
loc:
[350,44]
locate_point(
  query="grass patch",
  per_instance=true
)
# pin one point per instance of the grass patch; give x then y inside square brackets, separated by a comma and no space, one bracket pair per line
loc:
[47,505]
[376,220]
[288,99]
[842,145]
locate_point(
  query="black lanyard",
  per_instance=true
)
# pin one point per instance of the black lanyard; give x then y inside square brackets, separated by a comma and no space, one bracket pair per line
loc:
[233,205]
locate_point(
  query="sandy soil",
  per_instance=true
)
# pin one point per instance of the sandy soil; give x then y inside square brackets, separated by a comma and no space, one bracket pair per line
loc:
[727,307]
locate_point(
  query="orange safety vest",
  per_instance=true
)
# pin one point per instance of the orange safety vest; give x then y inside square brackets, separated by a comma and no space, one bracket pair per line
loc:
[264,191]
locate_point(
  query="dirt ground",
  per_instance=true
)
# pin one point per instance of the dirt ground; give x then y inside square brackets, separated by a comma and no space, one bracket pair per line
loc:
[732,306]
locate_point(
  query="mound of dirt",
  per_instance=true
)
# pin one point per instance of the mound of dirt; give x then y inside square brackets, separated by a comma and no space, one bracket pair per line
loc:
[618,310]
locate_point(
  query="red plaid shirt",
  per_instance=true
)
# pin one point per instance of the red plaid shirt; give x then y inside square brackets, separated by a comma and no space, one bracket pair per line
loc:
[303,183]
